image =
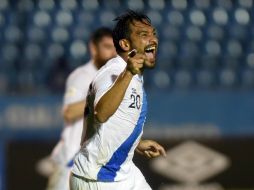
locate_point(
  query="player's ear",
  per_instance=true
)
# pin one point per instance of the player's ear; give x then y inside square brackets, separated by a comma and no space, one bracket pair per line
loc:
[124,44]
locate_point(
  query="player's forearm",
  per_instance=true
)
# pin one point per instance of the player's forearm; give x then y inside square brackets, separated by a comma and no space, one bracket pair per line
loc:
[74,111]
[111,100]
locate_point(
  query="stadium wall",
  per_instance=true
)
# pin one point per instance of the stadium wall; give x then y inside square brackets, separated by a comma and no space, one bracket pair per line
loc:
[222,122]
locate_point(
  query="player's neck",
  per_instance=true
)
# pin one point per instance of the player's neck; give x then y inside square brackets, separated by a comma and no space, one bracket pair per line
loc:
[124,56]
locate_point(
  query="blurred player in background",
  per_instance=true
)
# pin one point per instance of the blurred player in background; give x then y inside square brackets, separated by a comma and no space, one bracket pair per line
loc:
[115,113]
[101,49]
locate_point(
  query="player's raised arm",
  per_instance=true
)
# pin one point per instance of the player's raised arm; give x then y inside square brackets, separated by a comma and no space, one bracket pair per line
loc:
[111,100]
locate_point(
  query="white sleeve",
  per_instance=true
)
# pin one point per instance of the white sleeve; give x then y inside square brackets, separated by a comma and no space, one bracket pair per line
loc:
[104,82]
[77,88]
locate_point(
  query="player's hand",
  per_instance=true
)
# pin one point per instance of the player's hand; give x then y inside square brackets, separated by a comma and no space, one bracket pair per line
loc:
[150,149]
[135,62]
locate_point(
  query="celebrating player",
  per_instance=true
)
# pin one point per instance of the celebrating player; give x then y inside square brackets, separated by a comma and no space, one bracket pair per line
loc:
[115,112]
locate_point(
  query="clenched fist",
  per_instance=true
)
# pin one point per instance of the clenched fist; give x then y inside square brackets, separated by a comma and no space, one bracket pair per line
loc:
[135,62]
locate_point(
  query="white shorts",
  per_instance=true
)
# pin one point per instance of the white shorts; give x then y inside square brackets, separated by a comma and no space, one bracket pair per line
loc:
[136,181]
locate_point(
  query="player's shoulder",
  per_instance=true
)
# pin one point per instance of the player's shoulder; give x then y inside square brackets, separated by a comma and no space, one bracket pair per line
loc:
[116,64]
[82,71]
[109,72]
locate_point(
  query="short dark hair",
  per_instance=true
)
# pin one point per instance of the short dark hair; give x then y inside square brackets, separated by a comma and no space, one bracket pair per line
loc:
[100,33]
[122,27]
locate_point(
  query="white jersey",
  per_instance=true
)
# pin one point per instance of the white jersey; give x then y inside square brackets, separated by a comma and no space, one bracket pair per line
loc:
[107,154]
[77,86]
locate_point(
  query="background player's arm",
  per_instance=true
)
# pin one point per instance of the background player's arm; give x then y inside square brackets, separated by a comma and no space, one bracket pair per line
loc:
[74,111]
[77,86]
[111,100]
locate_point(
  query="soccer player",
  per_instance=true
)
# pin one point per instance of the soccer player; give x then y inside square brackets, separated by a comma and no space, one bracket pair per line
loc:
[115,112]
[101,49]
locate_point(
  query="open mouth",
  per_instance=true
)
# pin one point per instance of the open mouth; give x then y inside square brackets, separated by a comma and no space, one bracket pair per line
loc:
[150,49]
[150,52]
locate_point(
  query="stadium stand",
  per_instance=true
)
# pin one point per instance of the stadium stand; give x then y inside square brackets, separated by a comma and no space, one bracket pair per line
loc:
[203,44]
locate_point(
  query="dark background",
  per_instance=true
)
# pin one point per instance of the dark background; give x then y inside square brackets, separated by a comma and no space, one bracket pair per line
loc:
[23,155]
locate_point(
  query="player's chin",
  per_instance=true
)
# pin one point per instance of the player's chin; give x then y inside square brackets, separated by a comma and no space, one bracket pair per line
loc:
[150,64]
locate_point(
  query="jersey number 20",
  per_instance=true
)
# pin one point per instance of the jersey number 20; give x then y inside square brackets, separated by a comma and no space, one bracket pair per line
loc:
[135,101]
